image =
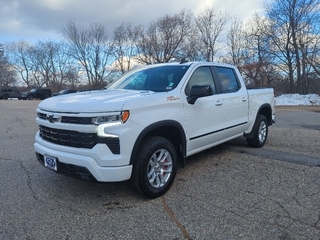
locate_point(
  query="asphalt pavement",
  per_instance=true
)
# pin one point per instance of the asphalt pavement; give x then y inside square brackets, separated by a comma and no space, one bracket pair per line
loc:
[227,192]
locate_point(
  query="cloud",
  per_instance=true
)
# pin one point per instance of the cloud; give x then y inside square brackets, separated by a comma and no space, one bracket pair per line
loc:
[38,19]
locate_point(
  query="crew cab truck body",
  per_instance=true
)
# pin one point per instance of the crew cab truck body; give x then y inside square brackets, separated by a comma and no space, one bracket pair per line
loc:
[149,121]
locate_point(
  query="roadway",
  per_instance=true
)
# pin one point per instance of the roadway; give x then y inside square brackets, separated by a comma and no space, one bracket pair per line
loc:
[227,192]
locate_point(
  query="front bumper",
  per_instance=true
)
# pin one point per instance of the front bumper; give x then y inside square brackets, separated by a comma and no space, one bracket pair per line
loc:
[82,166]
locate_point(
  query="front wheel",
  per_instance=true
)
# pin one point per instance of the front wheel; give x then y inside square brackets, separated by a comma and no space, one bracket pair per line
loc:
[260,132]
[155,167]
[5,97]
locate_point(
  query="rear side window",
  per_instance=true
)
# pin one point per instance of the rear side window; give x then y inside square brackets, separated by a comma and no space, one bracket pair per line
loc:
[228,80]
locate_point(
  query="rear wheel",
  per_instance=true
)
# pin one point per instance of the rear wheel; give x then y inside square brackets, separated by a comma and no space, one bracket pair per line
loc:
[260,132]
[155,167]
[5,97]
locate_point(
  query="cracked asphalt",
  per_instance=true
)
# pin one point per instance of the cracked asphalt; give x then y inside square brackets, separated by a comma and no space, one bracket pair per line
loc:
[227,192]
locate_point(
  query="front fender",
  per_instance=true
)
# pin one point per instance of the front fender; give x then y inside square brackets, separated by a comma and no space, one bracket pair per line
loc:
[170,129]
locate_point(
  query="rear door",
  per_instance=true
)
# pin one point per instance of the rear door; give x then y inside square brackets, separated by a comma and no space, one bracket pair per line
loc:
[235,101]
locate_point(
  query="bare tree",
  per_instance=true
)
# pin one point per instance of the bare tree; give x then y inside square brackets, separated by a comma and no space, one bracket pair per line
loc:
[42,56]
[290,21]
[124,48]
[256,64]
[47,63]
[161,41]
[235,43]
[19,53]
[92,48]
[311,52]
[65,68]
[210,26]
[7,73]
[54,67]
[190,47]
[70,77]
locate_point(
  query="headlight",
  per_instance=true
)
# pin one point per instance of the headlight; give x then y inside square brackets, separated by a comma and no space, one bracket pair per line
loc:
[112,119]
[104,122]
[106,119]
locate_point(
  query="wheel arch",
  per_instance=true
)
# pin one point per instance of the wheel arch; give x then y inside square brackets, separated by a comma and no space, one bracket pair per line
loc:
[172,130]
[266,110]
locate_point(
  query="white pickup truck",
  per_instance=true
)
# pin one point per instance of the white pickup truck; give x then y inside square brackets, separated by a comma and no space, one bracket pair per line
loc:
[145,124]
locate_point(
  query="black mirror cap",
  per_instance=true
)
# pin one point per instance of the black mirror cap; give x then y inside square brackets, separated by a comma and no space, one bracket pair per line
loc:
[199,91]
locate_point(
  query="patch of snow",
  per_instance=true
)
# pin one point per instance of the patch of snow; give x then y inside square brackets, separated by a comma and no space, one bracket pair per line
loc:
[297,100]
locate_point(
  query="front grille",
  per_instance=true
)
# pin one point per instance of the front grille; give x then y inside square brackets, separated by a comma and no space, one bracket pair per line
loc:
[71,120]
[77,139]
[42,116]
[77,120]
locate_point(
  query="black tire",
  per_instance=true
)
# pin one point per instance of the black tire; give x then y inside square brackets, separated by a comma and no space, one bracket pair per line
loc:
[30,97]
[260,132]
[146,175]
[5,97]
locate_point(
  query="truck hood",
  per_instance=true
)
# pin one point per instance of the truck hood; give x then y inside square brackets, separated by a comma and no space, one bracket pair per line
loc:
[92,101]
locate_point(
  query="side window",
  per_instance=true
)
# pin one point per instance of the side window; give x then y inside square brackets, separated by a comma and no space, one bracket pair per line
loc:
[9,90]
[228,79]
[201,76]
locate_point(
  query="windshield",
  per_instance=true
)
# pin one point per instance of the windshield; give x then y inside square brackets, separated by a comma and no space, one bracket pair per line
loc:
[157,79]
[33,90]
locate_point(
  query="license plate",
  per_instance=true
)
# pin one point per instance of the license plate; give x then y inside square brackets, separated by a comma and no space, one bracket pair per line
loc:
[50,162]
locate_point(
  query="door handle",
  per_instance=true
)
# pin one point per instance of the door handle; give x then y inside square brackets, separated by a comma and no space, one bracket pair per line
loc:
[244,99]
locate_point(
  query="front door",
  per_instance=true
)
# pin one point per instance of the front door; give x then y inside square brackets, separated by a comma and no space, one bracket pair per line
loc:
[204,118]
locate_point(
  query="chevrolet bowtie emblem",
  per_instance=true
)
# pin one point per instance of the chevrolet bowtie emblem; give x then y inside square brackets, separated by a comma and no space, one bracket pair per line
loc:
[51,118]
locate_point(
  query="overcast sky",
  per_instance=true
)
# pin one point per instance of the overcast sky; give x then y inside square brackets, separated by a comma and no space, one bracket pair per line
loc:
[33,20]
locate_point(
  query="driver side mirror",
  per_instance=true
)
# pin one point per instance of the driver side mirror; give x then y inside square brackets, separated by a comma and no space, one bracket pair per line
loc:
[197,91]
